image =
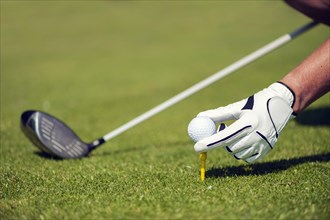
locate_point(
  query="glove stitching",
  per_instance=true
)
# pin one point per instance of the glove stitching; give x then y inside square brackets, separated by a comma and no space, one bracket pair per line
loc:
[271,119]
[292,92]
[253,155]
[235,133]
[239,158]
[263,137]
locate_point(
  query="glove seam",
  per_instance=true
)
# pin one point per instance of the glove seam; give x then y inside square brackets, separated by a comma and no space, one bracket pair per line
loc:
[271,119]
[292,92]
[229,136]
[265,139]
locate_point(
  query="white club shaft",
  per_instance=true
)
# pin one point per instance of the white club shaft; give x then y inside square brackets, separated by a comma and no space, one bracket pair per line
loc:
[213,78]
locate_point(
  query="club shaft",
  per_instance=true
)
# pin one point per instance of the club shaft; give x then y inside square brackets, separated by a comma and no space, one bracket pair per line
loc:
[211,79]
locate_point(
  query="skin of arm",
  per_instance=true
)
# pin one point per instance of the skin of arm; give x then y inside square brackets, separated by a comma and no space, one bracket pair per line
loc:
[311,79]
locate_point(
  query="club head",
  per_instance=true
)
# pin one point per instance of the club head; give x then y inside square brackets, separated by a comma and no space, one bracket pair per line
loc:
[52,136]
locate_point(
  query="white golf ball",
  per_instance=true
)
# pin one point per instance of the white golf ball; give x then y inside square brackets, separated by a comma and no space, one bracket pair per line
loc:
[200,128]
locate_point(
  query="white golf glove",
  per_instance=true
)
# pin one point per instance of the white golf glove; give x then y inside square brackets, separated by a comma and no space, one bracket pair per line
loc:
[259,122]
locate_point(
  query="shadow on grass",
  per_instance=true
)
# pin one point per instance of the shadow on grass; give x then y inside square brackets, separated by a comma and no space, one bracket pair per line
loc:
[315,117]
[265,168]
[46,156]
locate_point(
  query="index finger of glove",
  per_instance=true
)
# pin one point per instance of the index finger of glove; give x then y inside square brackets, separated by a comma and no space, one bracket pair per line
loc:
[229,135]
[229,112]
[217,115]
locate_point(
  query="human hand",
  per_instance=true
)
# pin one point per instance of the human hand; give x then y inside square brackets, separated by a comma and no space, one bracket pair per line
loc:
[259,122]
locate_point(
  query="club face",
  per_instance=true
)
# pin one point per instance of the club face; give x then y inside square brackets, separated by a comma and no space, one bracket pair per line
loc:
[52,136]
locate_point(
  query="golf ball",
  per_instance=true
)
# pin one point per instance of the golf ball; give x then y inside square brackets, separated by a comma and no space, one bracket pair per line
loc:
[201,127]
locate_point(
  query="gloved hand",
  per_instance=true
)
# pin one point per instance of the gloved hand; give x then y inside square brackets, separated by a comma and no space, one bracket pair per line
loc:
[259,122]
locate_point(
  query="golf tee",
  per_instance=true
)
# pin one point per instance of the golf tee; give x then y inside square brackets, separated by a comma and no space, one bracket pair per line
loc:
[202,157]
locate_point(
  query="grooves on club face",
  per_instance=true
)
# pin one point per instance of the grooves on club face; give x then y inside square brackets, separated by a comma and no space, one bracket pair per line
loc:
[52,136]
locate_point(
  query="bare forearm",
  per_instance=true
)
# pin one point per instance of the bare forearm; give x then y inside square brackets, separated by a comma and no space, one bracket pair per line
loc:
[311,79]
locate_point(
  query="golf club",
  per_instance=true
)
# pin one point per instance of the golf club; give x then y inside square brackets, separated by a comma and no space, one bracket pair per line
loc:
[58,140]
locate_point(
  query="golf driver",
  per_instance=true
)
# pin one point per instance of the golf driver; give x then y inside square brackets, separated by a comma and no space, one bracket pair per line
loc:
[57,139]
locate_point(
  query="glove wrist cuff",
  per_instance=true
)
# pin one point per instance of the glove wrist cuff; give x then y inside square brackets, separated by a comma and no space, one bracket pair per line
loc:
[284,92]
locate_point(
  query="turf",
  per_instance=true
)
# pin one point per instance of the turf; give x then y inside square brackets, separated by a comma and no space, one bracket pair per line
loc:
[97,64]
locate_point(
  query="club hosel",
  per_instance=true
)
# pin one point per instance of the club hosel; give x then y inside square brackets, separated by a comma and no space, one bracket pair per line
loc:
[96,143]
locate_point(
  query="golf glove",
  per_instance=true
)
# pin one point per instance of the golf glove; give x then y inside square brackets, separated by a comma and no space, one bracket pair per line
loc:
[259,122]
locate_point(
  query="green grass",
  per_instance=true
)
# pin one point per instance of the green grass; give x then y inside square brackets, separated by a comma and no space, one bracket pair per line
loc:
[96,65]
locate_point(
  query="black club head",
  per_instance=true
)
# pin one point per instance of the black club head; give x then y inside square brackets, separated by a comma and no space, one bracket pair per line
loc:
[52,136]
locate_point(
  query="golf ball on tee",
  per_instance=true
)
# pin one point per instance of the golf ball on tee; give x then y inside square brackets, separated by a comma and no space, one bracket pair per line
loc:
[201,127]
